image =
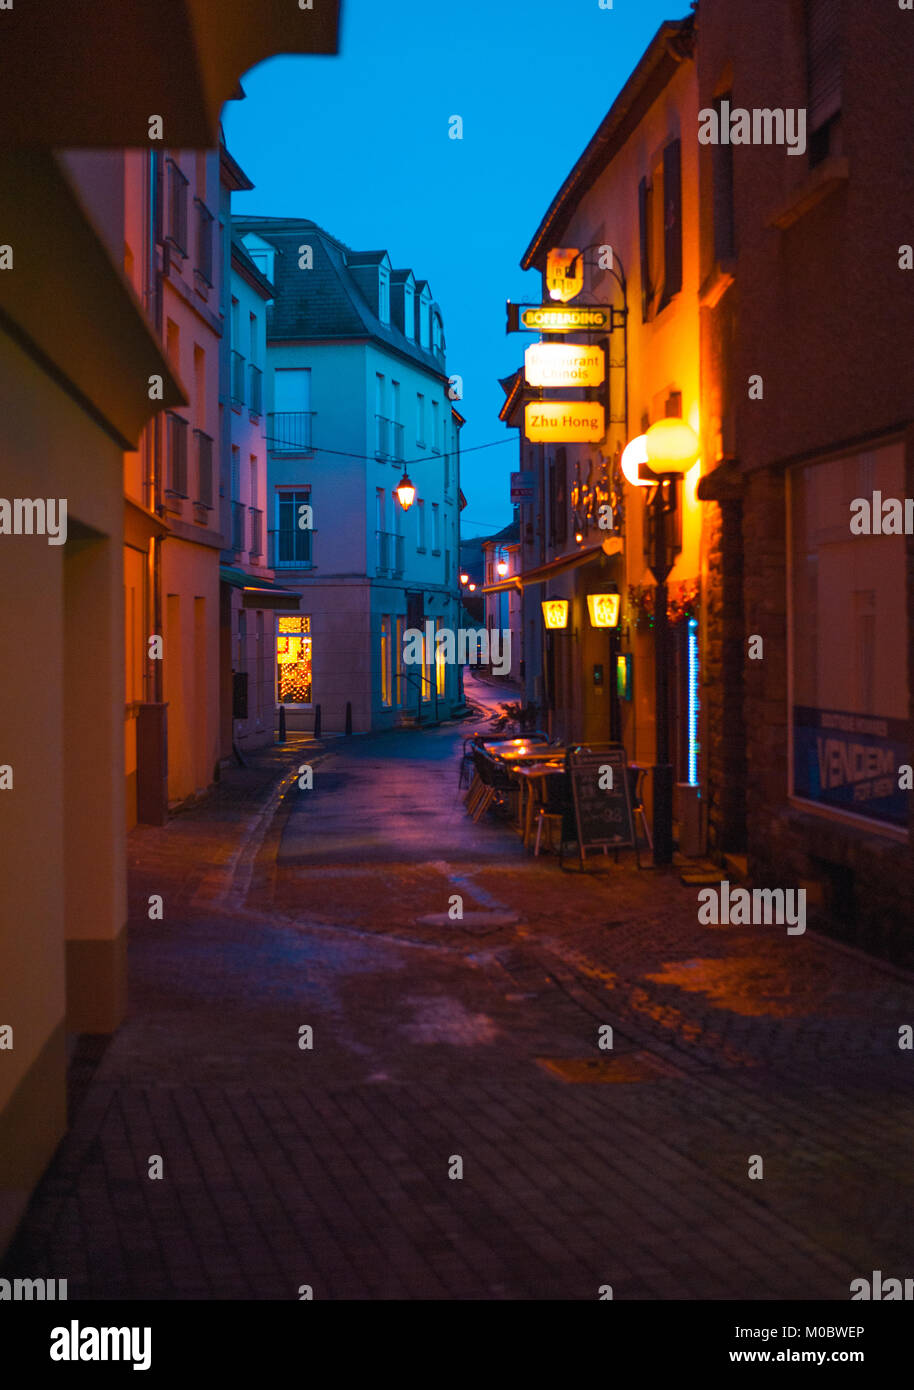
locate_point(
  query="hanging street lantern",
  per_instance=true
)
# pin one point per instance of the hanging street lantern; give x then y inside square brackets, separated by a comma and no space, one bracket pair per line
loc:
[502,568]
[604,609]
[464,579]
[555,613]
[406,492]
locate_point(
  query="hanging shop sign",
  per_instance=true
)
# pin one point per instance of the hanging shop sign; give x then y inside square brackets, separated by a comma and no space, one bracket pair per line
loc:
[564,364]
[564,422]
[564,273]
[522,486]
[553,318]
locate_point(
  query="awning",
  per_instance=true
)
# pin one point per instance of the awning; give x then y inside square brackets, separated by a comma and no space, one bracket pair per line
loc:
[558,566]
[257,592]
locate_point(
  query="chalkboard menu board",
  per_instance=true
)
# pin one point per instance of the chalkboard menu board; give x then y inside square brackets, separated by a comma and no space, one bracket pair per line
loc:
[603,813]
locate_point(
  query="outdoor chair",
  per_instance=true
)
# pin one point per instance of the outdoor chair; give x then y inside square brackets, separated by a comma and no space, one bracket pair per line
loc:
[556,812]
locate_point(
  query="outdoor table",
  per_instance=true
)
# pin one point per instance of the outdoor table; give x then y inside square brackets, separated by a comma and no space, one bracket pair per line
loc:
[525,752]
[532,778]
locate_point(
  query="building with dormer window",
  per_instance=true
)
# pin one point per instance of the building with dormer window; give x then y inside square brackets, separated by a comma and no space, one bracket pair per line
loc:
[356,394]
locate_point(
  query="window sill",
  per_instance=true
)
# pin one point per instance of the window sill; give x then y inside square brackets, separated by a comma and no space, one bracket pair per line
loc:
[421,444]
[718,282]
[436,552]
[823,180]
[420,550]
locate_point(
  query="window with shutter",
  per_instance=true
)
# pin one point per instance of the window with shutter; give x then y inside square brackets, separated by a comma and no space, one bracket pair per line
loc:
[823,68]
[722,179]
[643,231]
[672,221]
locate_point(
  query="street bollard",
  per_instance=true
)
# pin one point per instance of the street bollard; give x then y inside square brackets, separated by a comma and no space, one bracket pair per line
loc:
[317,721]
[282,724]
[348,716]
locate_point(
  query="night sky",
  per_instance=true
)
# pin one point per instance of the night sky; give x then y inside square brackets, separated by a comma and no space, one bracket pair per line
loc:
[360,143]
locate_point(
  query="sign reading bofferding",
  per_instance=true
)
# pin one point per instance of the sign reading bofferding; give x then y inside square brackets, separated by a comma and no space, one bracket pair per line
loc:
[564,422]
[564,364]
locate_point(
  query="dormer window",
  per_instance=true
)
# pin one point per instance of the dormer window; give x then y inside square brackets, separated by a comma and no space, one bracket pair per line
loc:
[409,311]
[424,316]
[437,333]
[383,294]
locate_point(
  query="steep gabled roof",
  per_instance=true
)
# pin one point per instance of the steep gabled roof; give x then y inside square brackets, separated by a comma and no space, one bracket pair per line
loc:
[326,301]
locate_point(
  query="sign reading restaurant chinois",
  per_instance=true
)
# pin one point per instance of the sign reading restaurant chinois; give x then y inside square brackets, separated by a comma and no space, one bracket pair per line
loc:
[564,364]
[564,422]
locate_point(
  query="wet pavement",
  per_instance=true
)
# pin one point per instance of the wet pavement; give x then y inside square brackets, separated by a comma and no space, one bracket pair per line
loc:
[473,1046]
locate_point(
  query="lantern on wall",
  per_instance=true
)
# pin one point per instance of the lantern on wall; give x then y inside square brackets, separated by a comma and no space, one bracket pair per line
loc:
[634,455]
[555,613]
[672,445]
[604,609]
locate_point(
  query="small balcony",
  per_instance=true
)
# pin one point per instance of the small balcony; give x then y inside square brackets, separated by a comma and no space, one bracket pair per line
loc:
[289,431]
[237,378]
[255,394]
[388,439]
[290,549]
[390,553]
[256,532]
[238,510]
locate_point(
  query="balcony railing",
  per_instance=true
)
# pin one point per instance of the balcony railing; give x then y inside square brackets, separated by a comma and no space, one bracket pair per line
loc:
[176,443]
[256,531]
[238,526]
[290,549]
[237,378]
[388,439]
[204,468]
[390,553]
[255,398]
[289,431]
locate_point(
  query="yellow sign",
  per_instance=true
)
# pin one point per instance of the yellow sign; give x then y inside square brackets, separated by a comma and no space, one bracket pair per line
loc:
[564,364]
[555,612]
[564,422]
[604,609]
[559,284]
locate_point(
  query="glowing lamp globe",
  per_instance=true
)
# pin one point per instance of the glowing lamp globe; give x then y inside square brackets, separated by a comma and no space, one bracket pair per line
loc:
[502,568]
[406,492]
[471,587]
[555,612]
[634,455]
[672,446]
[464,579]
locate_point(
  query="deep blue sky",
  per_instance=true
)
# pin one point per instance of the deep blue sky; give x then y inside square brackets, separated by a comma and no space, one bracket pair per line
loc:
[359,142]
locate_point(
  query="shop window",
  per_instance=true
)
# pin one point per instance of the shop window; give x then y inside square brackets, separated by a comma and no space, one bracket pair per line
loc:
[293,660]
[848,657]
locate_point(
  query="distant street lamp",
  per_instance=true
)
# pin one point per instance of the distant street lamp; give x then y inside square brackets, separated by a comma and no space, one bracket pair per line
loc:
[472,588]
[406,492]
[671,448]
[464,579]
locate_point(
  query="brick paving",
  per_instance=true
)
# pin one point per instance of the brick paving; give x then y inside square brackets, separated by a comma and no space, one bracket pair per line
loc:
[329,1167]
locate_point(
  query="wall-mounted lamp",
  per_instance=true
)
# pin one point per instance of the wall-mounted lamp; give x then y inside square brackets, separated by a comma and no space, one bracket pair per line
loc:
[604,609]
[555,613]
[502,568]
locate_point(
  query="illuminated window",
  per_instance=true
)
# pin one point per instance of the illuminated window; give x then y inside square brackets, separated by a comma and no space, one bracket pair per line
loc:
[441,668]
[398,660]
[293,661]
[385,659]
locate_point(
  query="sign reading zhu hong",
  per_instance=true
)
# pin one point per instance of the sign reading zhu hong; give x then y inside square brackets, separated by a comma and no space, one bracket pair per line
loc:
[564,422]
[564,364]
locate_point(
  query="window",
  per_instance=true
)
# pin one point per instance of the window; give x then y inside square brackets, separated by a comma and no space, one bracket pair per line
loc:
[420,526]
[293,660]
[823,77]
[437,333]
[420,420]
[293,547]
[848,668]
[176,444]
[173,343]
[204,241]
[558,497]
[385,659]
[383,294]
[177,207]
[440,666]
[423,319]
[409,311]
[660,232]
[722,182]
[436,532]
[199,402]
[436,427]
[398,660]
[290,423]
[252,337]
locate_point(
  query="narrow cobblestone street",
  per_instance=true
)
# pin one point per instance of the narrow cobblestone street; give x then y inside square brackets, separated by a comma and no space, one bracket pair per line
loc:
[329,1166]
